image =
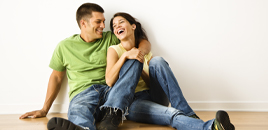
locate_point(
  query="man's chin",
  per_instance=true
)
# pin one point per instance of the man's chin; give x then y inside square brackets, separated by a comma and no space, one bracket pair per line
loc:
[99,36]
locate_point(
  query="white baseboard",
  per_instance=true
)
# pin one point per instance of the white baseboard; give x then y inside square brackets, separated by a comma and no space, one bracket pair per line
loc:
[257,106]
[196,106]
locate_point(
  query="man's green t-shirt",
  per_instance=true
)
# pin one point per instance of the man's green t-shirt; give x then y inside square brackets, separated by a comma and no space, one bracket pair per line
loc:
[85,63]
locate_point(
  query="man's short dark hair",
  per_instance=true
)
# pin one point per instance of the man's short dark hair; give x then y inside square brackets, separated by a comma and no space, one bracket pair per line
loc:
[85,11]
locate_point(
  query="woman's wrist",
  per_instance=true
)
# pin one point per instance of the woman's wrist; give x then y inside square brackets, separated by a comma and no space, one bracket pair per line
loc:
[125,56]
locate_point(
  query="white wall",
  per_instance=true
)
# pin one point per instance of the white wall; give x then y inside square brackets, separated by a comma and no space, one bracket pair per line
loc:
[217,49]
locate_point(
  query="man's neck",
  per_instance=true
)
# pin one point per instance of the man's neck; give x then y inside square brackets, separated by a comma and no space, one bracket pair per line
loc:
[87,38]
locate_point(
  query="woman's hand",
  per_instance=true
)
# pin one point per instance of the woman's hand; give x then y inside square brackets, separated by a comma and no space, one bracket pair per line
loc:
[135,53]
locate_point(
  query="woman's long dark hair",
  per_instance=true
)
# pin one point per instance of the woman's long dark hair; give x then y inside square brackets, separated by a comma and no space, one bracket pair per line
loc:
[139,33]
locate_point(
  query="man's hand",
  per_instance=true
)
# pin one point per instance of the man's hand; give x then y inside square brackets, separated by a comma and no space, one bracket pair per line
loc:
[53,89]
[34,114]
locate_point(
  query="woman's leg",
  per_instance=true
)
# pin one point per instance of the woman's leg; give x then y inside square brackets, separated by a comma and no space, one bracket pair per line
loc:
[121,94]
[162,75]
[157,94]
[146,111]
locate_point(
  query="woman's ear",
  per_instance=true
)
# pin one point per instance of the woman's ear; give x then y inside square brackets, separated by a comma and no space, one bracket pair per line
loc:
[133,26]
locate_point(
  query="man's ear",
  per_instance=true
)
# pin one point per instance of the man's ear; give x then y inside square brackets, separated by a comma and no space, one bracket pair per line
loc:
[133,26]
[83,23]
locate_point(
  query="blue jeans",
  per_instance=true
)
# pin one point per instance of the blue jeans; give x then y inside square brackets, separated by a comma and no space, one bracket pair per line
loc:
[144,109]
[84,108]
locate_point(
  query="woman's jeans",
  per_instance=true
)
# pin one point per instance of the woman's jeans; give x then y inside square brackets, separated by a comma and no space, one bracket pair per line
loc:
[144,109]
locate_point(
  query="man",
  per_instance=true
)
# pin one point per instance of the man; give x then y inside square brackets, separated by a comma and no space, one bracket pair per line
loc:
[83,58]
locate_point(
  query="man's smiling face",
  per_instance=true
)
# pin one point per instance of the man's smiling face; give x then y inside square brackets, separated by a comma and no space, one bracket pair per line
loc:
[95,25]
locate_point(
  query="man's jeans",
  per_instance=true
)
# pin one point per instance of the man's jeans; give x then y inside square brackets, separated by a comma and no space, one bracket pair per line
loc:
[84,108]
[143,109]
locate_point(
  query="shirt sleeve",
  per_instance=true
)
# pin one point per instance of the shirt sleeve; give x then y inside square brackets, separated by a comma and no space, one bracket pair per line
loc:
[115,40]
[148,56]
[56,62]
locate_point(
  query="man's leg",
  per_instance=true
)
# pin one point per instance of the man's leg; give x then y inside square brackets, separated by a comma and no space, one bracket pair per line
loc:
[162,75]
[83,110]
[121,95]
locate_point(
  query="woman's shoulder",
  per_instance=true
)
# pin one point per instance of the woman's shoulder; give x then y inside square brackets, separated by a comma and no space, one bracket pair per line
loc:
[118,48]
[114,46]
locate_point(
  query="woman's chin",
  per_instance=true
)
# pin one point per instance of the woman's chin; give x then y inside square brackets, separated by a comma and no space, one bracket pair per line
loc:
[121,38]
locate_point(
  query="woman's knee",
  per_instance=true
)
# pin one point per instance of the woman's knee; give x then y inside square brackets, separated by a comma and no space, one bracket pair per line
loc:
[158,60]
[131,63]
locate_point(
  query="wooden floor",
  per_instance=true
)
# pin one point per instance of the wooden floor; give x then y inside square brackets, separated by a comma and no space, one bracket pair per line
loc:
[241,120]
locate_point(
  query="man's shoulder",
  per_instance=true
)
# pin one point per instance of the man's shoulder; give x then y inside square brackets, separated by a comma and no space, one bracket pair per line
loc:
[69,39]
[110,38]
[108,34]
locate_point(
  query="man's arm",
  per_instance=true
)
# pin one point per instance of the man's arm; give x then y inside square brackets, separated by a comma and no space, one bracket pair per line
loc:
[53,89]
[145,47]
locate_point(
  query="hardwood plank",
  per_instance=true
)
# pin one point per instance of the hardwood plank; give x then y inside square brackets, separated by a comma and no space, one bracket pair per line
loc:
[241,120]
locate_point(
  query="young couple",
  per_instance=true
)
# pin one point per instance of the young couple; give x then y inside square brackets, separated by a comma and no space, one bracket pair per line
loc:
[139,86]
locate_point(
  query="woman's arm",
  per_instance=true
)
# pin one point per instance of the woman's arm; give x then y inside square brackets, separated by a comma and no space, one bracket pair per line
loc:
[114,63]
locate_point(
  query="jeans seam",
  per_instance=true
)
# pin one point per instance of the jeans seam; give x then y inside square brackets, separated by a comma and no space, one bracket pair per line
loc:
[98,102]
[107,91]
[95,89]
[96,109]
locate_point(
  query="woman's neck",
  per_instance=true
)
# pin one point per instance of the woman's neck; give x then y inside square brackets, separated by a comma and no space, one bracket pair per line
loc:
[128,43]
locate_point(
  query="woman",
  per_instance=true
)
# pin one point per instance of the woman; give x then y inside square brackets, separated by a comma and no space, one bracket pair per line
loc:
[156,75]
